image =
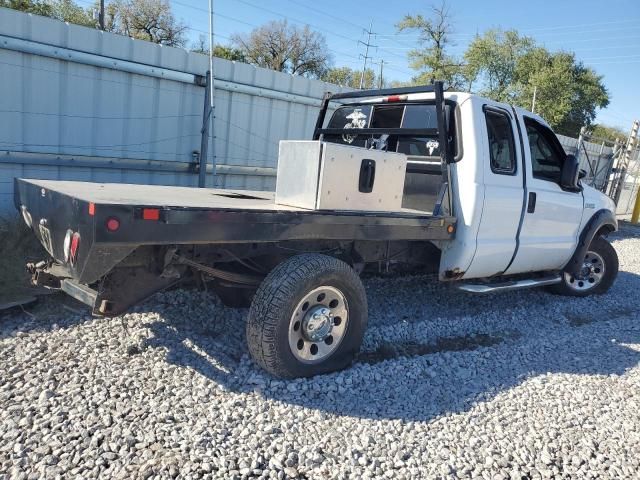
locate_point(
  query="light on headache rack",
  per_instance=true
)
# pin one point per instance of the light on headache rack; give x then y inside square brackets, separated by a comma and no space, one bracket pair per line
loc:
[395,98]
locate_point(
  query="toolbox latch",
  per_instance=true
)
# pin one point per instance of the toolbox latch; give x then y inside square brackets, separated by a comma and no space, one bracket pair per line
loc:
[367,175]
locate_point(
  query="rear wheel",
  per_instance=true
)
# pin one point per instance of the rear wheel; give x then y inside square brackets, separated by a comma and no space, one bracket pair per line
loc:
[307,317]
[599,270]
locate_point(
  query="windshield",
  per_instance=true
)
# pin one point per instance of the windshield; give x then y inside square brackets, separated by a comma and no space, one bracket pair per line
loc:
[412,116]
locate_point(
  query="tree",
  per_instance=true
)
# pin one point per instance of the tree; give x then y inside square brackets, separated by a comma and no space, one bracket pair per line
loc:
[567,93]
[150,20]
[508,67]
[348,77]
[36,7]
[432,60]
[605,132]
[492,58]
[68,11]
[285,48]
[221,51]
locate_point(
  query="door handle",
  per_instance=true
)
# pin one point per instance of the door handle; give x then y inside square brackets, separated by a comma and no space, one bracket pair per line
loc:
[531,205]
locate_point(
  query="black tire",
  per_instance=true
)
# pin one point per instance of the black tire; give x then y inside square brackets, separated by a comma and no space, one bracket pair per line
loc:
[603,248]
[276,300]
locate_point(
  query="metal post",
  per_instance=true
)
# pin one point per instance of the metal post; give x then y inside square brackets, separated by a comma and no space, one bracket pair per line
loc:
[626,158]
[636,206]
[212,91]
[380,79]
[595,179]
[101,15]
[204,132]
[533,103]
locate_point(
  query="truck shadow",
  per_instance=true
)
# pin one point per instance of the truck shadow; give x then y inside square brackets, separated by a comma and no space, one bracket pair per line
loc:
[446,353]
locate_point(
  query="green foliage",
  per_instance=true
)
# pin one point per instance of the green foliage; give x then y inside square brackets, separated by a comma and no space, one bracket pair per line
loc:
[348,77]
[605,132]
[36,7]
[509,68]
[150,20]
[68,11]
[431,60]
[64,10]
[285,48]
[492,59]
[220,51]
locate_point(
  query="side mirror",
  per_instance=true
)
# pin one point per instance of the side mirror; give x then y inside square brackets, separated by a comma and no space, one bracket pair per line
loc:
[582,174]
[570,173]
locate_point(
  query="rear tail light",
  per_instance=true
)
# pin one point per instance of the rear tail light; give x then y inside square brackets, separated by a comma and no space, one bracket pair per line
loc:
[113,224]
[73,249]
[151,214]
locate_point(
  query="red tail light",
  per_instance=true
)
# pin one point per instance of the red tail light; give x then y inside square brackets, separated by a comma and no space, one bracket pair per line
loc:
[113,224]
[73,249]
[151,214]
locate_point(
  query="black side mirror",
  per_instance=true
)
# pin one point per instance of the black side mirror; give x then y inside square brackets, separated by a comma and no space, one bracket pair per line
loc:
[582,174]
[570,173]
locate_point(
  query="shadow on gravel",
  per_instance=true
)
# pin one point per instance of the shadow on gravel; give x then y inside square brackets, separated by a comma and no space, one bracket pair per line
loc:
[510,338]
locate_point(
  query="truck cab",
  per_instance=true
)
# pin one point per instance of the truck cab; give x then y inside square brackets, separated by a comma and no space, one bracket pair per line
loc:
[517,197]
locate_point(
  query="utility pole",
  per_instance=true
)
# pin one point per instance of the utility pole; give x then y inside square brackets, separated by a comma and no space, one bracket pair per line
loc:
[366,52]
[101,15]
[380,77]
[533,103]
[208,114]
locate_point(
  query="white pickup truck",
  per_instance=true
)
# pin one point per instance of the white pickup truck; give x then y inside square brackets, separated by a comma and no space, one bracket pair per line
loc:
[406,180]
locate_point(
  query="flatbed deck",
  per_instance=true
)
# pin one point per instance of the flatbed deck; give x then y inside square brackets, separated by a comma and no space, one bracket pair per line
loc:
[182,197]
[199,215]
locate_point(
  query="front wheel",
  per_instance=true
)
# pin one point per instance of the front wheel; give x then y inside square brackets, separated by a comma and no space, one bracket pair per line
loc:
[307,317]
[599,270]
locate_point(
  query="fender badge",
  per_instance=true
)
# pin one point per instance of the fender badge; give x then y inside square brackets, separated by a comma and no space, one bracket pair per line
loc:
[589,205]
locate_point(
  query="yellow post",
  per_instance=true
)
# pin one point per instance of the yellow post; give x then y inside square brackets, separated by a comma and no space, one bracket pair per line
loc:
[636,208]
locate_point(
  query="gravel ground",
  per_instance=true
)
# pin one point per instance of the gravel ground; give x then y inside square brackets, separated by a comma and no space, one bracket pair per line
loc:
[449,385]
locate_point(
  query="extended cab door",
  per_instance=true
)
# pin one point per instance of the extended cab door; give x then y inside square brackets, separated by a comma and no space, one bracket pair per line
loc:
[549,231]
[500,158]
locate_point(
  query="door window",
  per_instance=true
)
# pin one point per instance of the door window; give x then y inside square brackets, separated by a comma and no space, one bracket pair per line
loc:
[501,143]
[546,157]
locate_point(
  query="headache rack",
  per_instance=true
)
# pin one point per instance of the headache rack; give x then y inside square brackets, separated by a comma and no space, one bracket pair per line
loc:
[444,204]
[392,95]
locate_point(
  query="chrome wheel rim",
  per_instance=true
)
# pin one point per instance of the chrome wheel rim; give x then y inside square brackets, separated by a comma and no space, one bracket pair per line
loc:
[591,273]
[318,324]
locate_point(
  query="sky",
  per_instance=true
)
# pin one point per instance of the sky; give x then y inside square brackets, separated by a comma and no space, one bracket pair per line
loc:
[606,39]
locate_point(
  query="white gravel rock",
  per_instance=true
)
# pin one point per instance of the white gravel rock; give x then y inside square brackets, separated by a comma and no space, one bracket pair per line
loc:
[449,385]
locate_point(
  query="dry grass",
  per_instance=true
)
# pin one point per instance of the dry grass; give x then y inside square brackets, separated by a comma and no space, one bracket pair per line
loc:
[18,245]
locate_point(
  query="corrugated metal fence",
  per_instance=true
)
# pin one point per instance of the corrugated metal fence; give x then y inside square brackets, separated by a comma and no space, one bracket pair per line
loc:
[81,104]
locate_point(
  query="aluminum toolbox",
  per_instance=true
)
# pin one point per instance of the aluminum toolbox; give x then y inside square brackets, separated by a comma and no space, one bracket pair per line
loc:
[326,176]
